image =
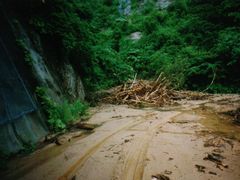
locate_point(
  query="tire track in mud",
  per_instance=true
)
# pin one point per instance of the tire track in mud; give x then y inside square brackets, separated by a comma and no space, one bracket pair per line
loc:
[132,167]
[133,164]
[80,162]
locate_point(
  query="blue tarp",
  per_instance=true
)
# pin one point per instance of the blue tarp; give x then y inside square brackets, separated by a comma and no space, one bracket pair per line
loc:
[15,101]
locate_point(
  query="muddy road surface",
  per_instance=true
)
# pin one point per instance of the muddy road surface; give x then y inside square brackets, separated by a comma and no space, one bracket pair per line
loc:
[193,140]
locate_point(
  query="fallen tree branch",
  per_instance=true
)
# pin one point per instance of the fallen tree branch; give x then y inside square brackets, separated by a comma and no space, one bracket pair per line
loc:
[213,79]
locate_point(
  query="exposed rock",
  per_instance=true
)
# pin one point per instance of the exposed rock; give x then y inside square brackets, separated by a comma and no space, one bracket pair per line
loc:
[136,36]
[86,126]
[163,4]
[200,168]
[76,134]
[51,137]
[124,7]
[72,83]
[221,166]
[160,177]
[63,139]
[119,116]
[213,173]
[214,157]
[167,172]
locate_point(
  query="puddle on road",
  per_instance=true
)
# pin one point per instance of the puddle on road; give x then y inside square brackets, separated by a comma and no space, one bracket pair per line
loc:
[219,124]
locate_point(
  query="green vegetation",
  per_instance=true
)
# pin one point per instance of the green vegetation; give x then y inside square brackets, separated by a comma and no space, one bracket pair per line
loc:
[60,114]
[26,53]
[28,148]
[76,27]
[194,42]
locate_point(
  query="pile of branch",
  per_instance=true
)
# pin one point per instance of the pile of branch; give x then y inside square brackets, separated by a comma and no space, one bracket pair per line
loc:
[142,92]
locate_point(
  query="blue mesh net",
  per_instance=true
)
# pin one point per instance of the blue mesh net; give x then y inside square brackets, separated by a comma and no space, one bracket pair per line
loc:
[21,122]
[15,100]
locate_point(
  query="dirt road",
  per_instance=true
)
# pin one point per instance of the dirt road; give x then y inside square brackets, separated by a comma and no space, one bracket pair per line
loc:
[192,140]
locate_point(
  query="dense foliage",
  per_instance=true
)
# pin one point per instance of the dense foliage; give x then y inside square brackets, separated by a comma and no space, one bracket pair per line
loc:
[60,114]
[194,42]
[79,28]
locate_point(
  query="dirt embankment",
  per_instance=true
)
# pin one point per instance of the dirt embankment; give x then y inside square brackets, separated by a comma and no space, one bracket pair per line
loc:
[195,139]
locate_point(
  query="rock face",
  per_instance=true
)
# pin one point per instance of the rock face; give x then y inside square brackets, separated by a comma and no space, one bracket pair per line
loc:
[163,4]
[37,66]
[72,83]
[160,4]
[59,79]
[124,7]
[136,36]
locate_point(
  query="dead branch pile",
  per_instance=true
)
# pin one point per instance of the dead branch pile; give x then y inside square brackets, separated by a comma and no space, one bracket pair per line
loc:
[142,92]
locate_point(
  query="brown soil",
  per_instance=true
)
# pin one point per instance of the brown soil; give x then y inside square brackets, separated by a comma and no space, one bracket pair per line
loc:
[177,142]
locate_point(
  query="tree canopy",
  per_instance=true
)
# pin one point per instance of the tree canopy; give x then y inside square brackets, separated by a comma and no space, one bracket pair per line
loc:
[194,42]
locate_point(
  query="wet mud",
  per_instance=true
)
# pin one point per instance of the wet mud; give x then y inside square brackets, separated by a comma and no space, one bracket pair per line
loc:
[196,139]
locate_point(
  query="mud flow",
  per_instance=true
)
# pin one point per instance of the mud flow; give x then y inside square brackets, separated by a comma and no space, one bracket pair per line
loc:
[195,139]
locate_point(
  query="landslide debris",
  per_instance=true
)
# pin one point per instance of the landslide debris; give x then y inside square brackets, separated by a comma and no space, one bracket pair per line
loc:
[149,93]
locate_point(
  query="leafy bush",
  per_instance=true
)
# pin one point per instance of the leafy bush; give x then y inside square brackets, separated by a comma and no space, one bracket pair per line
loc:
[165,36]
[180,5]
[60,115]
[219,88]
[106,70]
[228,45]
[174,66]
